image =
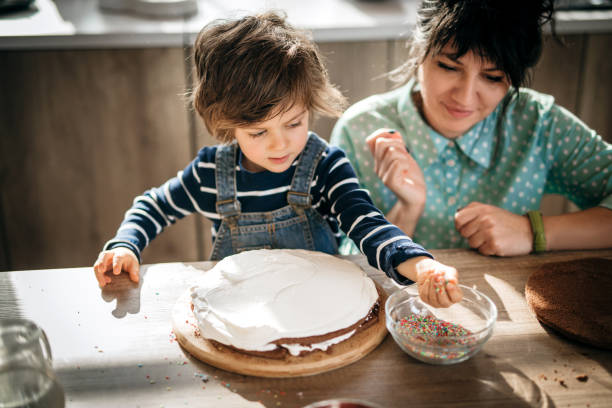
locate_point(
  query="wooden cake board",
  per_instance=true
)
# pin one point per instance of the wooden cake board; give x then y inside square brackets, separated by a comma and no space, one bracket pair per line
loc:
[340,355]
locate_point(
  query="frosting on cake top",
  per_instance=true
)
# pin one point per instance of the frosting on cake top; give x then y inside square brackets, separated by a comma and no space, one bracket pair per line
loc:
[253,298]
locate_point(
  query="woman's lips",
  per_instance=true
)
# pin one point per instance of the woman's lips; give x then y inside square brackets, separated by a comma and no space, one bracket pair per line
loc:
[458,112]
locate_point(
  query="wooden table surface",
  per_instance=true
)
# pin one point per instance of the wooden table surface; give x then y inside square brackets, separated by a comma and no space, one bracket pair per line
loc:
[115,347]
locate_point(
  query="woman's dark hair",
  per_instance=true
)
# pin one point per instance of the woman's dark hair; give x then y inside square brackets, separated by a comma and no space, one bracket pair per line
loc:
[251,69]
[508,33]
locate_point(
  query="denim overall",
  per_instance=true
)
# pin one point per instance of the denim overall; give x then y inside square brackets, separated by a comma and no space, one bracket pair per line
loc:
[296,226]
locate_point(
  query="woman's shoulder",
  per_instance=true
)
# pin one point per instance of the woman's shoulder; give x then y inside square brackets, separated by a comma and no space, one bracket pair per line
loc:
[531,100]
[375,105]
[540,107]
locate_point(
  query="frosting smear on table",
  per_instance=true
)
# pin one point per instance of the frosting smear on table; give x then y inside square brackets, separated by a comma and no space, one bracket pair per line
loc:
[254,298]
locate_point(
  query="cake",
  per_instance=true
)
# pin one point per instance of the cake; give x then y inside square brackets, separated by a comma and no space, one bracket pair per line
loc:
[279,303]
[573,298]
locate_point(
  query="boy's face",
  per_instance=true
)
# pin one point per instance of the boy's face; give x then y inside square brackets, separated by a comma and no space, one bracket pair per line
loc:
[274,144]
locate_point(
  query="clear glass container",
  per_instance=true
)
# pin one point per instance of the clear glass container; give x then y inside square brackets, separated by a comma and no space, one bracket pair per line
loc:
[27,379]
[440,335]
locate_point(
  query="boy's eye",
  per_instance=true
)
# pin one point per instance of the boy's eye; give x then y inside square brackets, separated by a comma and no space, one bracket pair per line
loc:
[296,124]
[257,134]
[446,67]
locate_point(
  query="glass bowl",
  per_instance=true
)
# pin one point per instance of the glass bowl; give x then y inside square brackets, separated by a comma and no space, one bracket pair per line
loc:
[440,335]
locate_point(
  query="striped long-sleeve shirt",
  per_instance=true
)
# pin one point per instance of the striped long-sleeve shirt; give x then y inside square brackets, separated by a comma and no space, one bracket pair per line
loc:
[335,194]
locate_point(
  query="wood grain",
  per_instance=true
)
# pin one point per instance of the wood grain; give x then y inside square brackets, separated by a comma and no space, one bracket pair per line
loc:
[355,68]
[596,92]
[549,73]
[84,132]
[115,347]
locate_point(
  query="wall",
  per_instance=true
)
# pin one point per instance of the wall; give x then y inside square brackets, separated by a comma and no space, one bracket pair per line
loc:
[85,131]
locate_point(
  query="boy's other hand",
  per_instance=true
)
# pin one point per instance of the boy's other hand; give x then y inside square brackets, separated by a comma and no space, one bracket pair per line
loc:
[116,260]
[438,283]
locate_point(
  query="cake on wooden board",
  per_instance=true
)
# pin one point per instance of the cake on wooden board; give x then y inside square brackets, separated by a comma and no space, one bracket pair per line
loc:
[281,313]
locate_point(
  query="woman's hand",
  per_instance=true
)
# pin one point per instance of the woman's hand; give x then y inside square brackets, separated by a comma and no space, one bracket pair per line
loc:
[116,260]
[494,231]
[396,168]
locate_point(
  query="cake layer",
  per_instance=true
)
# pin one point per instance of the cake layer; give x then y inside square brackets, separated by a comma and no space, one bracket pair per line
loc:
[253,299]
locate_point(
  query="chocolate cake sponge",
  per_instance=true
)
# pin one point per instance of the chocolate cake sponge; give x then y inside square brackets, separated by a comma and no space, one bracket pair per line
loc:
[281,353]
[575,299]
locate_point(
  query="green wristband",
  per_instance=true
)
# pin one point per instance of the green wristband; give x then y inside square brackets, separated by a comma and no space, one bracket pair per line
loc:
[537,226]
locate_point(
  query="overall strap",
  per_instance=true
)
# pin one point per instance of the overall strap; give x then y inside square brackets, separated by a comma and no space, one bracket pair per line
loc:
[225,177]
[299,195]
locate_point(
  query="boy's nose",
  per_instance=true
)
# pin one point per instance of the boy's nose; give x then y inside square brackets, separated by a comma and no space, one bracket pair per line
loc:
[277,141]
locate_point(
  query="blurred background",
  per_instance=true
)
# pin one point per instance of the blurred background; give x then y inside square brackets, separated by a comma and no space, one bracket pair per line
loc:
[94,107]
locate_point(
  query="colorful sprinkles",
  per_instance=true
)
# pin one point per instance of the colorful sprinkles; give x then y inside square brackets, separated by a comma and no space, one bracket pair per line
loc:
[424,334]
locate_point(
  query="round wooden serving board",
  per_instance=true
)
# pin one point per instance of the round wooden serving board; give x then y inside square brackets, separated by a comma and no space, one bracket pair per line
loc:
[188,335]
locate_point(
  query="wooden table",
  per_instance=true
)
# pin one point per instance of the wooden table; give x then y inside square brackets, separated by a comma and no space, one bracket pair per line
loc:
[115,347]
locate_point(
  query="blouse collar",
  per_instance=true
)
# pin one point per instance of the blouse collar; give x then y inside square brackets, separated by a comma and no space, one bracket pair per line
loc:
[427,144]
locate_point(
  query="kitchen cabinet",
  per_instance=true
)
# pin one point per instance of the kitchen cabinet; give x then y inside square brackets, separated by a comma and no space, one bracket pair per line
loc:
[86,130]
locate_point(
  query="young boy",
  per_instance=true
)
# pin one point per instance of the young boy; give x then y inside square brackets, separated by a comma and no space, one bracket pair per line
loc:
[272,184]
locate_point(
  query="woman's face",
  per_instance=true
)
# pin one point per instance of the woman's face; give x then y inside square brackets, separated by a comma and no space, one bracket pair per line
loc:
[458,93]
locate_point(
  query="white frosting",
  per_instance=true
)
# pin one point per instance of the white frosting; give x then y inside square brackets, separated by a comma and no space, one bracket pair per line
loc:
[253,298]
[296,349]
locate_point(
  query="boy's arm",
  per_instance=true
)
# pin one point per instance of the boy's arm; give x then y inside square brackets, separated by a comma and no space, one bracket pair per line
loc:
[162,206]
[192,190]
[384,245]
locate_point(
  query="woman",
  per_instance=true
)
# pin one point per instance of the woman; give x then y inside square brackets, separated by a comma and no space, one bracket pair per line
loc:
[460,156]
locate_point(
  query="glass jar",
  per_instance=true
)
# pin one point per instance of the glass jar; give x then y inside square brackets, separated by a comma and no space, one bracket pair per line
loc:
[27,379]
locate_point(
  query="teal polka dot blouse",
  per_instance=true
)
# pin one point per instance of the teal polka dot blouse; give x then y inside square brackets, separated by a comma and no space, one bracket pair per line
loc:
[509,160]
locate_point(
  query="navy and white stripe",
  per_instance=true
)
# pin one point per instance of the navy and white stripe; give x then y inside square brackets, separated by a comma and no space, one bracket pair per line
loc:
[335,194]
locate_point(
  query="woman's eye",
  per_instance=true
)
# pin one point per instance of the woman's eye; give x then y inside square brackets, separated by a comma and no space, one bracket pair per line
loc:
[257,134]
[494,78]
[446,67]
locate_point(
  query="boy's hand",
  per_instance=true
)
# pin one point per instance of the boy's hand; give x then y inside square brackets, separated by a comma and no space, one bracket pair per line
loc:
[438,283]
[116,260]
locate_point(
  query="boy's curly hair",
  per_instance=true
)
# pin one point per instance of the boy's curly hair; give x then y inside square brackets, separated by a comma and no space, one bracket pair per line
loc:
[254,68]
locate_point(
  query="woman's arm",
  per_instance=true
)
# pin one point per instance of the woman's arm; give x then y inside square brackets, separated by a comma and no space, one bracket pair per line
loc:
[587,229]
[495,231]
[580,163]
[401,174]
[405,217]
